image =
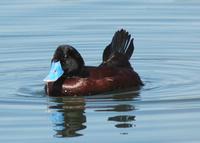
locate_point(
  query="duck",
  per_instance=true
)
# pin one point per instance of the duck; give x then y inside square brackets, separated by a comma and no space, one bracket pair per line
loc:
[69,76]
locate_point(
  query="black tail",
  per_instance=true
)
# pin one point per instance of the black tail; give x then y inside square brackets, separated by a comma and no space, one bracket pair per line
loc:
[121,43]
[120,50]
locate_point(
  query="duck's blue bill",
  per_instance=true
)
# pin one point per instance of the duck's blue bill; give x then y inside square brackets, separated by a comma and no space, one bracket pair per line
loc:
[56,72]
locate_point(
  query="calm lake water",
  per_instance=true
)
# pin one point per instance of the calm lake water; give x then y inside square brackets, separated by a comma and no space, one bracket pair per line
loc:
[167,57]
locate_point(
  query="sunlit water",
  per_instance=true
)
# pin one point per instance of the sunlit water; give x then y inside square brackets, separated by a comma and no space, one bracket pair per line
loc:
[167,57]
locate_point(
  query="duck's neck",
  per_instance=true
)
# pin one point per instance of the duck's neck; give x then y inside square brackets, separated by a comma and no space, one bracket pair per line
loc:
[78,73]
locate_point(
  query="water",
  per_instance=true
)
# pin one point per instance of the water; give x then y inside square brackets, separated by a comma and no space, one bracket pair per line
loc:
[166,56]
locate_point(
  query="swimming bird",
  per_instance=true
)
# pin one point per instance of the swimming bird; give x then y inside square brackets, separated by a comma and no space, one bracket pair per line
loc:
[69,76]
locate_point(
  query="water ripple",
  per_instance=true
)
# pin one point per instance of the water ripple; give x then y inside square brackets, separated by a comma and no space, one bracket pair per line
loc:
[166,56]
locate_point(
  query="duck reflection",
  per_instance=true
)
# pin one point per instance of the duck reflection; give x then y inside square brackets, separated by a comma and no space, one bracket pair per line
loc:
[67,116]
[68,113]
[122,121]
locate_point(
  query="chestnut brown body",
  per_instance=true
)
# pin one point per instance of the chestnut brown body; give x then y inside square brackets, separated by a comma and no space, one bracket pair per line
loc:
[99,80]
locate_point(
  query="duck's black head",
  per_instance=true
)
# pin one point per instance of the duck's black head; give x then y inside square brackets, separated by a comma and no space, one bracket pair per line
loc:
[66,61]
[70,59]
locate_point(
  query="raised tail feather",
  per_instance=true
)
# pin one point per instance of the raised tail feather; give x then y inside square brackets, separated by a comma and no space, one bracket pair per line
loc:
[120,50]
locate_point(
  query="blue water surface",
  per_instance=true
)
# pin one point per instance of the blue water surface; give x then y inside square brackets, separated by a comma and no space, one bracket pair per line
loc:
[167,57]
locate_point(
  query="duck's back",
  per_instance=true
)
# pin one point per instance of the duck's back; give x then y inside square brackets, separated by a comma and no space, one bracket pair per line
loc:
[100,80]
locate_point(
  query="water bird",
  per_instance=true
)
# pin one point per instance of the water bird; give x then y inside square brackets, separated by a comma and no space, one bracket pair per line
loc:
[69,76]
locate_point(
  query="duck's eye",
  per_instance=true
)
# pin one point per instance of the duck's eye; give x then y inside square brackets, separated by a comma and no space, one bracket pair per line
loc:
[65,56]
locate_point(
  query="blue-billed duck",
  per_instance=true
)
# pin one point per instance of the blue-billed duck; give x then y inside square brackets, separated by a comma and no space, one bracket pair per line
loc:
[69,76]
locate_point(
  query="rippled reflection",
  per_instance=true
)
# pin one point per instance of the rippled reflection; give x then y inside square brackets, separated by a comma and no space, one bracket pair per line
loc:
[68,113]
[67,116]
[123,121]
